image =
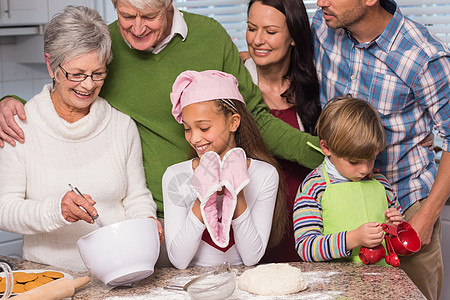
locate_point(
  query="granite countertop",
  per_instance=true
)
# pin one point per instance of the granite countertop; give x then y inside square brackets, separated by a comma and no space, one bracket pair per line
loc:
[326,280]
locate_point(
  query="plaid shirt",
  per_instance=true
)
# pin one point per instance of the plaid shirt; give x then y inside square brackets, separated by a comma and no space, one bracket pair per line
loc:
[404,73]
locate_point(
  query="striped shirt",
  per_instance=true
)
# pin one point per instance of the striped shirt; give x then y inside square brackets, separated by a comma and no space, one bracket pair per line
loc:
[310,242]
[404,73]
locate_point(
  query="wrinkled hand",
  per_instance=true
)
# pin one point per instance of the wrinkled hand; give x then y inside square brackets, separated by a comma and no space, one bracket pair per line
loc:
[9,130]
[428,141]
[160,229]
[393,216]
[423,226]
[368,235]
[72,206]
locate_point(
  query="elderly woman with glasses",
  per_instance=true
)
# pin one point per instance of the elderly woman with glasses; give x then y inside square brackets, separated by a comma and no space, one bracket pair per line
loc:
[73,137]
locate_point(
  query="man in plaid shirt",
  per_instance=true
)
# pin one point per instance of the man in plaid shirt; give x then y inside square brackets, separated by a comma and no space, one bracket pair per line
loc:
[370,50]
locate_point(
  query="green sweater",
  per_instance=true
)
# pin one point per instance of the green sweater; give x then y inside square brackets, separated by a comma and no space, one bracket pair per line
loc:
[139,84]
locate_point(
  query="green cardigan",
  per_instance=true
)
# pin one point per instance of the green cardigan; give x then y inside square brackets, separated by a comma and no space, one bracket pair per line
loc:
[139,84]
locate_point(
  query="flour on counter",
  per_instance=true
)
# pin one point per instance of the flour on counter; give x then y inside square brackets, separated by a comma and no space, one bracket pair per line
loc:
[312,278]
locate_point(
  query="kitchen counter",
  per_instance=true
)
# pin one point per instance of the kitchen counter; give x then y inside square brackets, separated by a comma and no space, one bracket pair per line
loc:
[327,280]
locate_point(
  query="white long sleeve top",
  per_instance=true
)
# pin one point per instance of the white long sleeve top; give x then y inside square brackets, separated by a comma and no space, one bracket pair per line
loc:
[183,230]
[100,154]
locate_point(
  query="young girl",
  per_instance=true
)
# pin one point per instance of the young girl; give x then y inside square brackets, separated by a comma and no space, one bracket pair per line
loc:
[219,206]
[337,209]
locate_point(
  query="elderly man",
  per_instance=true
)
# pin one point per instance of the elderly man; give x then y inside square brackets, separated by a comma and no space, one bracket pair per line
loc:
[152,43]
[370,50]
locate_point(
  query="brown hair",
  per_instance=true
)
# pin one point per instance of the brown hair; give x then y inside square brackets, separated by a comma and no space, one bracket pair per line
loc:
[248,138]
[351,128]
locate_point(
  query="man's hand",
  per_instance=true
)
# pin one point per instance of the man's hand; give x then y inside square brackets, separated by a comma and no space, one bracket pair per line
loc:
[428,142]
[10,132]
[423,226]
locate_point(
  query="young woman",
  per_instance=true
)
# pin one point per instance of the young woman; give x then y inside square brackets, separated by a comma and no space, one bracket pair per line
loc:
[281,64]
[219,206]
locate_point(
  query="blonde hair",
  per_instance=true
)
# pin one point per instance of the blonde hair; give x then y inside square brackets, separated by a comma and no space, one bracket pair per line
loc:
[351,128]
[248,138]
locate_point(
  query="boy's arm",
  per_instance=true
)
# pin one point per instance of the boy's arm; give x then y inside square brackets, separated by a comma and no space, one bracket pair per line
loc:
[310,243]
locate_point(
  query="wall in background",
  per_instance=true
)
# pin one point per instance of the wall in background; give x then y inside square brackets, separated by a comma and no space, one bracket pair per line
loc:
[24,80]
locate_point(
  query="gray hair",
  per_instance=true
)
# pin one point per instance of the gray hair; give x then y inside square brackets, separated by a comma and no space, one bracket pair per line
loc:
[76,31]
[144,4]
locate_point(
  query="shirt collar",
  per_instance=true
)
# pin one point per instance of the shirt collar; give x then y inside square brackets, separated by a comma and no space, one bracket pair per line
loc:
[332,171]
[385,39]
[179,26]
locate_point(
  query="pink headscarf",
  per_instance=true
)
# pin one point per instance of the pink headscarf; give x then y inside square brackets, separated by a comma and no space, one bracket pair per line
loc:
[192,87]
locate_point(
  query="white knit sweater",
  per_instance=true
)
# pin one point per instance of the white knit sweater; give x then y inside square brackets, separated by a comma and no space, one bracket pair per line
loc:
[100,154]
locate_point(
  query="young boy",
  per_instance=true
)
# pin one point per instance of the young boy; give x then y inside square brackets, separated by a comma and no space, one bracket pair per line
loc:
[338,209]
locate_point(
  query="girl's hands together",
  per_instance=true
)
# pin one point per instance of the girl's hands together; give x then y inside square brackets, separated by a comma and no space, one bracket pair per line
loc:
[393,216]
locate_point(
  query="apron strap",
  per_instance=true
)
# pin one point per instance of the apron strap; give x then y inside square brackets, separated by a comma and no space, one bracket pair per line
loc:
[325,174]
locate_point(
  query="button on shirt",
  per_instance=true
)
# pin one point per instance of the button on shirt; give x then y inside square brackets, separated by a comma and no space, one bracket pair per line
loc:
[404,73]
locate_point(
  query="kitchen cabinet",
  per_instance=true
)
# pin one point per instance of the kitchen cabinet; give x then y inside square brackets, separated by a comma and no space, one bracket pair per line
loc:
[28,42]
[18,13]
[23,12]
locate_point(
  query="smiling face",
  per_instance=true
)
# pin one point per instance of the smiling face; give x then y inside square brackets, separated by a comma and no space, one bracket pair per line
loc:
[69,96]
[143,29]
[268,38]
[208,129]
[343,13]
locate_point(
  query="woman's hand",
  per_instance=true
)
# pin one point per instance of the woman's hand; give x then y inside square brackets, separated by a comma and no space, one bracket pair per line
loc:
[10,132]
[160,229]
[244,55]
[368,235]
[75,207]
[393,216]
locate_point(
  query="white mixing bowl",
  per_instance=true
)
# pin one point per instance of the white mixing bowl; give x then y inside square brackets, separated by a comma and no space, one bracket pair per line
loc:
[121,253]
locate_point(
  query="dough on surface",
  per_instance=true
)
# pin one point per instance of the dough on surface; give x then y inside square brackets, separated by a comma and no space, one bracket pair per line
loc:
[273,280]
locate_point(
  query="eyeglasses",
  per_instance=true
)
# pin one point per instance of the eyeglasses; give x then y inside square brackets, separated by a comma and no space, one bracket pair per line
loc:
[79,77]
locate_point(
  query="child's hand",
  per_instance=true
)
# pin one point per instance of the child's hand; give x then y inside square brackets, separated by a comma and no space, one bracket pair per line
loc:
[393,216]
[368,235]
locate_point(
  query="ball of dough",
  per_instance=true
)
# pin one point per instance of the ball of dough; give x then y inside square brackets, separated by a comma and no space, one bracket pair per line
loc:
[273,280]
